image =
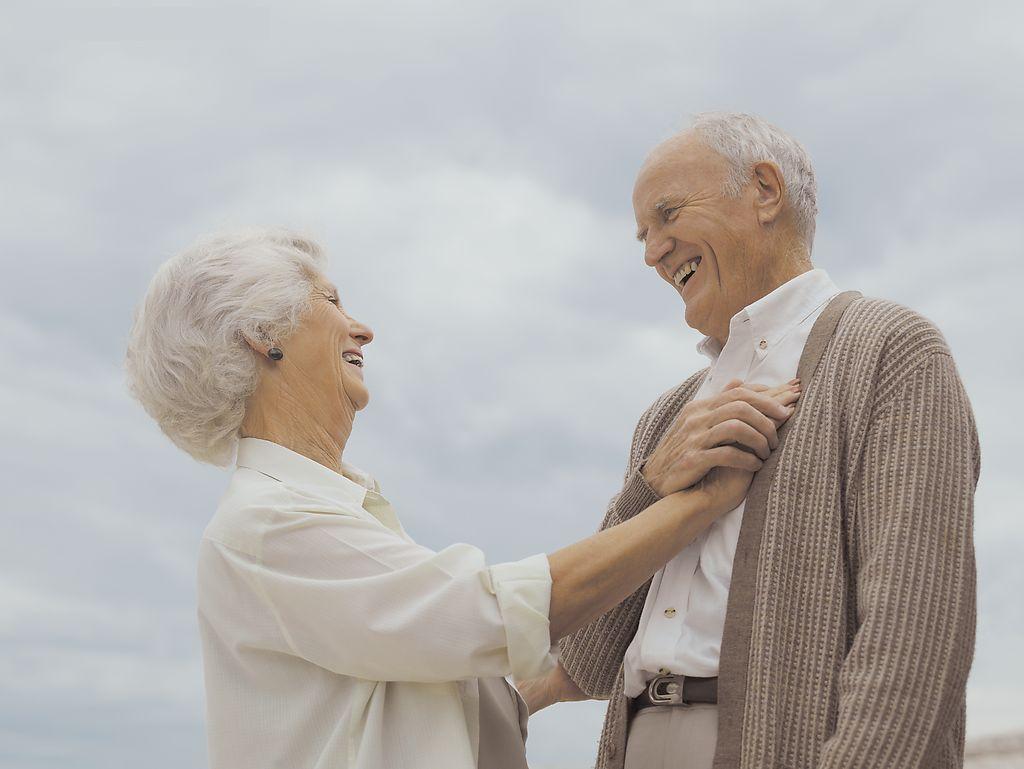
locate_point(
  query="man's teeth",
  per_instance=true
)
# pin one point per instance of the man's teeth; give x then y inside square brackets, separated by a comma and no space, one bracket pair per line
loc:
[686,270]
[349,357]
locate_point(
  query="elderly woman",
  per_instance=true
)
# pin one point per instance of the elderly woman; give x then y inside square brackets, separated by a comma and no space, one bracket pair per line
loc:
[330,638]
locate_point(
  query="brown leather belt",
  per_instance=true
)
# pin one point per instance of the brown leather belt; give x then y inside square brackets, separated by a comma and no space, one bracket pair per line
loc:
[677,690]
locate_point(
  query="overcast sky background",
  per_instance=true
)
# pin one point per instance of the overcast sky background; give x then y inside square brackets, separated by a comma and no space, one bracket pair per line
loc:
[468,167]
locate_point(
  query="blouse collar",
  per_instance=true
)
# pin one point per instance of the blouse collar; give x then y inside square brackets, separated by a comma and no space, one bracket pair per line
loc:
[290,467]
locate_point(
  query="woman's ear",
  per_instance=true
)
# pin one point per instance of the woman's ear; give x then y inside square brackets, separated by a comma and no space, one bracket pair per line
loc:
[258,346]
[771,192]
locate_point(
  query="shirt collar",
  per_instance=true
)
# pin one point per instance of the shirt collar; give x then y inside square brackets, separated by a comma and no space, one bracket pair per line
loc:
[294,469]
[773,316]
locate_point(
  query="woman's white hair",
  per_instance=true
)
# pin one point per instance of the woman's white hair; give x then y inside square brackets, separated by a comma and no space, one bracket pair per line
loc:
[188,362]
[745,140]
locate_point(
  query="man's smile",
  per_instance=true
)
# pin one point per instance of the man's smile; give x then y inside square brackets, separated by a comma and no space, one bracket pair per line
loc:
[687,271]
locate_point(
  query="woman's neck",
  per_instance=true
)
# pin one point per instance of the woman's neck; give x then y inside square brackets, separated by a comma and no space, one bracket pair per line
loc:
[287,420]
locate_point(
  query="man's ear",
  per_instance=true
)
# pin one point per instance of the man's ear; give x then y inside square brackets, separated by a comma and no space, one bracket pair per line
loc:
[770,192]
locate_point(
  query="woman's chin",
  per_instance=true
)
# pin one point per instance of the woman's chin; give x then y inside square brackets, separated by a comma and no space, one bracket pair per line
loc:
[357,395]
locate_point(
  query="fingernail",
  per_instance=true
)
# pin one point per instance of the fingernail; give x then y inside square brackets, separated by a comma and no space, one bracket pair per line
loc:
[794,380]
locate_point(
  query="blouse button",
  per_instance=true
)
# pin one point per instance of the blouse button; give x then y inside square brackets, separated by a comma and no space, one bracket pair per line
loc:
[670,612]
[764,344]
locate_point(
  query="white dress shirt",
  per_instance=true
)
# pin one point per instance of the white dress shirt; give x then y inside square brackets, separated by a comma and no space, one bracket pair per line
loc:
[331,640]
[681,626]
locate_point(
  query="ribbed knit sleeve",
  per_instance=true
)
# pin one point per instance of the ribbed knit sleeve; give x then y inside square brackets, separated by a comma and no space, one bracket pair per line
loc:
[592,656]
[901,684]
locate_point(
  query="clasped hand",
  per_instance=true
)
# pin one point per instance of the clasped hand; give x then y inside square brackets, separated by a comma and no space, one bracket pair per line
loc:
[718,443]
[714,445]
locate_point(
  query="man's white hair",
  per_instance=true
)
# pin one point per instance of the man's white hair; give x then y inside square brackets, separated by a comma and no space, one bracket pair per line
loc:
[745,140]
[188,362]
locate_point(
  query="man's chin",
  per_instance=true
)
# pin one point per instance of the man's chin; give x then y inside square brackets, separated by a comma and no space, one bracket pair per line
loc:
[694,316]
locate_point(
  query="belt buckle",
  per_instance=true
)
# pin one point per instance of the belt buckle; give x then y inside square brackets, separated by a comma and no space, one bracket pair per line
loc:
[666,690]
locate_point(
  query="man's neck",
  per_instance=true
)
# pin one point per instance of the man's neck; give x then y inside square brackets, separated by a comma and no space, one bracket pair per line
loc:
[784,272]
[775,281]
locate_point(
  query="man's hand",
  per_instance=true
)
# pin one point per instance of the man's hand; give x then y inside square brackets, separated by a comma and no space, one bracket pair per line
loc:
[554,687]
[735,429]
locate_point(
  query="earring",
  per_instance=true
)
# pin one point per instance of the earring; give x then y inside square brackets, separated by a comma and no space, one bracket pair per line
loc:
[274,353]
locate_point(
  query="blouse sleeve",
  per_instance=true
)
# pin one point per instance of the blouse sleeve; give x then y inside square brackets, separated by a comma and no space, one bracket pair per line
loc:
[358,599]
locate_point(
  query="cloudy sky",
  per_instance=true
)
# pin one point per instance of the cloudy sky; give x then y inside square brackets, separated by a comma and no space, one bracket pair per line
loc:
[468,167]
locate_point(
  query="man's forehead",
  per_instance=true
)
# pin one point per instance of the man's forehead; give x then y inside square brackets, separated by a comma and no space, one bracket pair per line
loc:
[659,177]
[678,164]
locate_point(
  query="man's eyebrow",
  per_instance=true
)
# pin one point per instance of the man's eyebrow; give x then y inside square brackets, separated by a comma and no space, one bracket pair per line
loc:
[660,205]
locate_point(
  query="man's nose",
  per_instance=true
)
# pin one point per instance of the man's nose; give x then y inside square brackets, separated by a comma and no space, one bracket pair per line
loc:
[656,250]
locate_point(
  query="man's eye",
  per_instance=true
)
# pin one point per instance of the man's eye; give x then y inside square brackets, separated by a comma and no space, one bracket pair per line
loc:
[669,213]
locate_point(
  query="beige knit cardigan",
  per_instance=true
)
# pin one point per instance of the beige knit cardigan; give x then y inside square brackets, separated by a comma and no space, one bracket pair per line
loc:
[849,630]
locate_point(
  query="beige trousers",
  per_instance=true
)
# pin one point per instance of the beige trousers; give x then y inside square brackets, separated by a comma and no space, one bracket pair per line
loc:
[503,717]
[672,737]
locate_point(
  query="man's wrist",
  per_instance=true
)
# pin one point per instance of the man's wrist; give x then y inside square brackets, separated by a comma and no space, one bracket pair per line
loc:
[565,689]
[647,482]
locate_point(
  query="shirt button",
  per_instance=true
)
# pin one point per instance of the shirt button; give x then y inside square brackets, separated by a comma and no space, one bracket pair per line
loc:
[670,612]
[764,344]
[662,671]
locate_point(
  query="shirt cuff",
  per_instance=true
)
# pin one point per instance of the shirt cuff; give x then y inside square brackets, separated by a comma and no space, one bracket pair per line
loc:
[523,590]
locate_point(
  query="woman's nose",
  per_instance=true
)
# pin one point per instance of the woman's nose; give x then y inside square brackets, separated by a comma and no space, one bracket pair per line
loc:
[362,333]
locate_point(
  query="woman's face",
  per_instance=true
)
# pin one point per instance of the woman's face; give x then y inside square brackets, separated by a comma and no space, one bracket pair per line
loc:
[327,350]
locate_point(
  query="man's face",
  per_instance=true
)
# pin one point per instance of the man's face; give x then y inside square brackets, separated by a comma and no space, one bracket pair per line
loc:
[686,221]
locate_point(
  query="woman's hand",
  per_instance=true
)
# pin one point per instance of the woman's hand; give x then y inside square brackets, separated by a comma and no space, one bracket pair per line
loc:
[589,577]
[734,429]
[554,687]
[726,487]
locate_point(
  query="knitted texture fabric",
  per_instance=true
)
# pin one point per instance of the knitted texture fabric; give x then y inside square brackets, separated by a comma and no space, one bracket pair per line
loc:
[849,631]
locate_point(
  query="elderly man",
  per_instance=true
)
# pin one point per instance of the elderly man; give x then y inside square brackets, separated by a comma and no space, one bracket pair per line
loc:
[828,621]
